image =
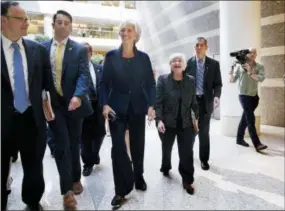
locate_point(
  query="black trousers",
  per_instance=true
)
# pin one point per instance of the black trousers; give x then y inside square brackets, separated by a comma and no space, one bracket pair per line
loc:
[124,174]
[50,140]
[93,133]
[66,131]
[23,135]
[249,104]
[185,142]
[204,130]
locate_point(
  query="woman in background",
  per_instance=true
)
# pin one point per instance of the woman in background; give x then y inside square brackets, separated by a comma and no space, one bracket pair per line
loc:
[175,99]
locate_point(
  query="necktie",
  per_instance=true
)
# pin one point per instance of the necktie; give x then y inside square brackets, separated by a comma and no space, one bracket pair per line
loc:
[200,77]
[20,93]
[58,68]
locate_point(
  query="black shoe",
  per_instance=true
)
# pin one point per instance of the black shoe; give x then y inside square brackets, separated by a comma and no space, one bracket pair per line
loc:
[261,147]
[140,184]
[189,188]
[165,172]
[243,143]
[36,207]
[205,166]
[97,161]
[87,171]
[117,201]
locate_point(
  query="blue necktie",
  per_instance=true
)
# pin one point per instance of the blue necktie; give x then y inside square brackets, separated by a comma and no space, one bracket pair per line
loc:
[200,77]
[20,93]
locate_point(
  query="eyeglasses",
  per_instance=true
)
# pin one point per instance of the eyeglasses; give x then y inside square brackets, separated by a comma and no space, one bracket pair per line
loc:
[22,19]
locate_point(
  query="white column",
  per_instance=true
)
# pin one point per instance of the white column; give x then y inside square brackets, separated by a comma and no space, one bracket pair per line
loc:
[48,30]
[240,28]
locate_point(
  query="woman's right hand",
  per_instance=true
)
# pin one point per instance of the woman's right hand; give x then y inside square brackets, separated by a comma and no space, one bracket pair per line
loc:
[106,110]
[161,127]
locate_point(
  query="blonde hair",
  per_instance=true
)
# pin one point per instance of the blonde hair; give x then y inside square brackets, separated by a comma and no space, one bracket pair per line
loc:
[178,56]
[134,24]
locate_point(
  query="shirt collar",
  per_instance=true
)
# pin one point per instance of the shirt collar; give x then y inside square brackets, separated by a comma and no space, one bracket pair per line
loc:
[54,42]
[7,43]
[203,59]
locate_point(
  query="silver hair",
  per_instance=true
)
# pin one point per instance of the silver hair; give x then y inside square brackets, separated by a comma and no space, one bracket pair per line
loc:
[178,56]
[135,25]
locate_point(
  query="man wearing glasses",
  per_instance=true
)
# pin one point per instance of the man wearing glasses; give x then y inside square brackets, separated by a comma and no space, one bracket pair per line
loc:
[25,72]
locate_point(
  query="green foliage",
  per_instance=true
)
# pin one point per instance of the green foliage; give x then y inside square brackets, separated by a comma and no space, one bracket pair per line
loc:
[41,38]
[97,58]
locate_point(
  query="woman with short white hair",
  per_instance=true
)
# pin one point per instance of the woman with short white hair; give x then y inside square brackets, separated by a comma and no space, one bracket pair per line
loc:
[175,101]
[127,95]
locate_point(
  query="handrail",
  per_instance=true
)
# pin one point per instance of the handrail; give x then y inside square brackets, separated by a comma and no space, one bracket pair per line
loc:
[100,34]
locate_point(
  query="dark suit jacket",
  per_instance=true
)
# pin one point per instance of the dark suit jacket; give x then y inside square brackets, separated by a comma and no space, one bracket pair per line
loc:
[212,79]
[75,79]
[167,100]
[39,79]
[95,94]
[121,86]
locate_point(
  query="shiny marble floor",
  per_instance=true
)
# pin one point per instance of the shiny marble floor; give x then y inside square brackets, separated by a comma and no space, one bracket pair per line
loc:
[239,178]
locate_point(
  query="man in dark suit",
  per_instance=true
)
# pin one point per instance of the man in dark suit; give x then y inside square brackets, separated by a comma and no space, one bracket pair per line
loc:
[93,129]
[25,73]
[207,73]
[69,64]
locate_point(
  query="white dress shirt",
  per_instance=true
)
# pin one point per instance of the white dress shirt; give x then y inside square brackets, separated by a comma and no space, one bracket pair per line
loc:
[52,55]
[9,53]
[93,74]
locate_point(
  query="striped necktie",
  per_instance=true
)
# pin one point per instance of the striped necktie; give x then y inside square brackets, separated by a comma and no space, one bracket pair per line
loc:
[200,77]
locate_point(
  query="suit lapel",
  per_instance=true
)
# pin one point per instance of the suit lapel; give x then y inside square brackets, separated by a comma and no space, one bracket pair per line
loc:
[4,68]
[67,55]
[48,46]
[206,68]
[30,55]
[194,67]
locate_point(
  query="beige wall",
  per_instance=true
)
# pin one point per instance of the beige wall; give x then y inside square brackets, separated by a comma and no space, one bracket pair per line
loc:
[272,92]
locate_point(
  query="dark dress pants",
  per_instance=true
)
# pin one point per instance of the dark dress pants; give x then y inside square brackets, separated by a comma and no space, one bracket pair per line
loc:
[249,104]
[22,134]
[67,134]
[185,142]
[93,133]
[124,174]
[204,130]
[50,140]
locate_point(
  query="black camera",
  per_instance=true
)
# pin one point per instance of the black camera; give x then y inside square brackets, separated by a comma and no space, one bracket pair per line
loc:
[241,55]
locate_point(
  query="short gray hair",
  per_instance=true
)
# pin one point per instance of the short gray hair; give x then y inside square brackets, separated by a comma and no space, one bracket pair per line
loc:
[178,56]
[135,25]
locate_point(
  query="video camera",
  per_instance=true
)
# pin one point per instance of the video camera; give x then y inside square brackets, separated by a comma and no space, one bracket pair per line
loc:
[240,55]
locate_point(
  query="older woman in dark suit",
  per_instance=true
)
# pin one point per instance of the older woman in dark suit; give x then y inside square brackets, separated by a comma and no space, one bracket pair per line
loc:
[175,101]
[128,90]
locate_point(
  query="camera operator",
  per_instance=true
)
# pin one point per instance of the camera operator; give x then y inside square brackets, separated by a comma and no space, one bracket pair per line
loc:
[248,74]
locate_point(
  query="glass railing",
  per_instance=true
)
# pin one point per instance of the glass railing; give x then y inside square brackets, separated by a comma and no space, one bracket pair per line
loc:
[99,34]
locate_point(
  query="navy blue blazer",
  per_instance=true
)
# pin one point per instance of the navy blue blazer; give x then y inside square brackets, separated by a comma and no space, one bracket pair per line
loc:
[75,76]
[123,84]
[39,79]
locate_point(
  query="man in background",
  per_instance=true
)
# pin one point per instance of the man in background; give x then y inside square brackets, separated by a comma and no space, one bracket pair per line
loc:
[207,73]
[93,129]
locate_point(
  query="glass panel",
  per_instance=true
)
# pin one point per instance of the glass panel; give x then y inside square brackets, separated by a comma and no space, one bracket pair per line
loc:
[130,4]
[110,3]
[36,24]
